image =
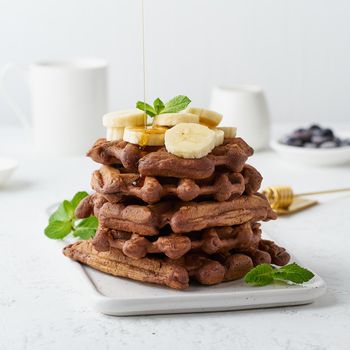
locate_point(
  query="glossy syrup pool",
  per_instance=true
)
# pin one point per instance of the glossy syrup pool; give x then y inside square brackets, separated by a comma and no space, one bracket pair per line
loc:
[147,132]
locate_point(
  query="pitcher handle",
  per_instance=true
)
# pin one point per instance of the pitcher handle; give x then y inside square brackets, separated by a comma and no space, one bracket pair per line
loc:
[18,112]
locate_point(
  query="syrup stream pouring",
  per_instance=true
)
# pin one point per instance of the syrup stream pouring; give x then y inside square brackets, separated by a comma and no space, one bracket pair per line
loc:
[143,58]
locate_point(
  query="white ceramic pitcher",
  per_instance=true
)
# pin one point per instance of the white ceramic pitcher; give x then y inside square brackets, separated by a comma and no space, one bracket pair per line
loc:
[244,107]
[68,99]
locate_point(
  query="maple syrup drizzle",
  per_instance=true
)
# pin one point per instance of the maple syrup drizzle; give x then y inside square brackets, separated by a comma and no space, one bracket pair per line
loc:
[143,59]
[153,130]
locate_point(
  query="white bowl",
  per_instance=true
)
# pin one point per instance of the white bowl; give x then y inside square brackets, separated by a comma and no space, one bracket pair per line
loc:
[313,156]
[7,167]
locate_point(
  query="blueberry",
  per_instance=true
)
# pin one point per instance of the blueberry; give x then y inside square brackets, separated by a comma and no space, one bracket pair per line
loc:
[297,142]
[317,132]
[337,141]
[328,144]
[310,145]
[327,132]
[291,141]
[345,142]
[302,134]
[314,127]
[318,139]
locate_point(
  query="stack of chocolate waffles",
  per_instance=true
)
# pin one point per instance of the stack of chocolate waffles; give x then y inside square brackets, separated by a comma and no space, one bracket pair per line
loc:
[169,220]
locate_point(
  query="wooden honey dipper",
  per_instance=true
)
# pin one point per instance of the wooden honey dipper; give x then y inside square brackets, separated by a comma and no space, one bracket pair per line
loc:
[281,197]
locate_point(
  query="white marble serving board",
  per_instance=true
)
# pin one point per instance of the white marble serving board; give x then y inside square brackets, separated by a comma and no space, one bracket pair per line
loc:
[122,297]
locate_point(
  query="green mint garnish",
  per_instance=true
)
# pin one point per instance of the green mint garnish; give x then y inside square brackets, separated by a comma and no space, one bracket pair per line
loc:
[158,105]
[176,104]
[86,228]
[265,274]
[146,108]
[63,222]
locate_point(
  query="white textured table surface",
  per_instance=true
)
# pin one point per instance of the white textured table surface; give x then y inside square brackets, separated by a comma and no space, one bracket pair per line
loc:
[42,304]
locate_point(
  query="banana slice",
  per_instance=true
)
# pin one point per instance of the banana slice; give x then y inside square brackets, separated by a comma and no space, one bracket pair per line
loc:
[124,118]
[171,119]
[219,137]
[229,132]
[114,134]
[189,140]
[145,137]
[206,116]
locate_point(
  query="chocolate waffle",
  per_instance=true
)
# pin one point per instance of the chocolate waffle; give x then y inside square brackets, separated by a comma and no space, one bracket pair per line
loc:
[210,241]
[153,161]
[117,185]
[176,274]
[114,262]
[167,220]
[147,220]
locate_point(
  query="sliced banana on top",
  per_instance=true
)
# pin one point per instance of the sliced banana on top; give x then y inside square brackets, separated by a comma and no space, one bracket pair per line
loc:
[219,137]
[145,137]
[115,134]
[229,131]
[124,118]
[171,119]
[206,116]
[189,140]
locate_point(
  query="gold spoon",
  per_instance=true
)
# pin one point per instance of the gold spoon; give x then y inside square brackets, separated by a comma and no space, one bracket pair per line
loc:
[284,201]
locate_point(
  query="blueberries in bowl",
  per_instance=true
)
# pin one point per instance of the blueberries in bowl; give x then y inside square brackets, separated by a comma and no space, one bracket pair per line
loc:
[314,137]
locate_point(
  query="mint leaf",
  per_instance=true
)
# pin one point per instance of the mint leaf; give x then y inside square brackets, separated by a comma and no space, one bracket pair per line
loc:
[86,228]
[77,198]
[84,233]
[158,105]
[90,222]
[62,221]
[261,275]
[58,229]
[294,273]
[176,104]
[146,108]
[64,212]
[265,274]
[69,209]
[59,214]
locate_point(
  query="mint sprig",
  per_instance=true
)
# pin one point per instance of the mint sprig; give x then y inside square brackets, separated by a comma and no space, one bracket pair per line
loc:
[63,222]
[176,104]
[148,109]
[265,274]
[158,105]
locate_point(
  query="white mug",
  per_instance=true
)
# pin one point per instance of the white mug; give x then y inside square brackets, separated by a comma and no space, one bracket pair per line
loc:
[244,107]
[68,99]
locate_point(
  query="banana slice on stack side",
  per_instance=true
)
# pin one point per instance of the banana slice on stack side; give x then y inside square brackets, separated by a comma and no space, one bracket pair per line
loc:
[219,137]
[115,122]
[172,119]
[229,131]
[192,133]
[145,136]
[114,134]
[206,116]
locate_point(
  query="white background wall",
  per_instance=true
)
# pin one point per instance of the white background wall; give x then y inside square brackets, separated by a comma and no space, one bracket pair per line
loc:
[298,50]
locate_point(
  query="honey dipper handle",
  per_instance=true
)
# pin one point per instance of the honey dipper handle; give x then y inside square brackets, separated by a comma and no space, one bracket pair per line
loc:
[322,192]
